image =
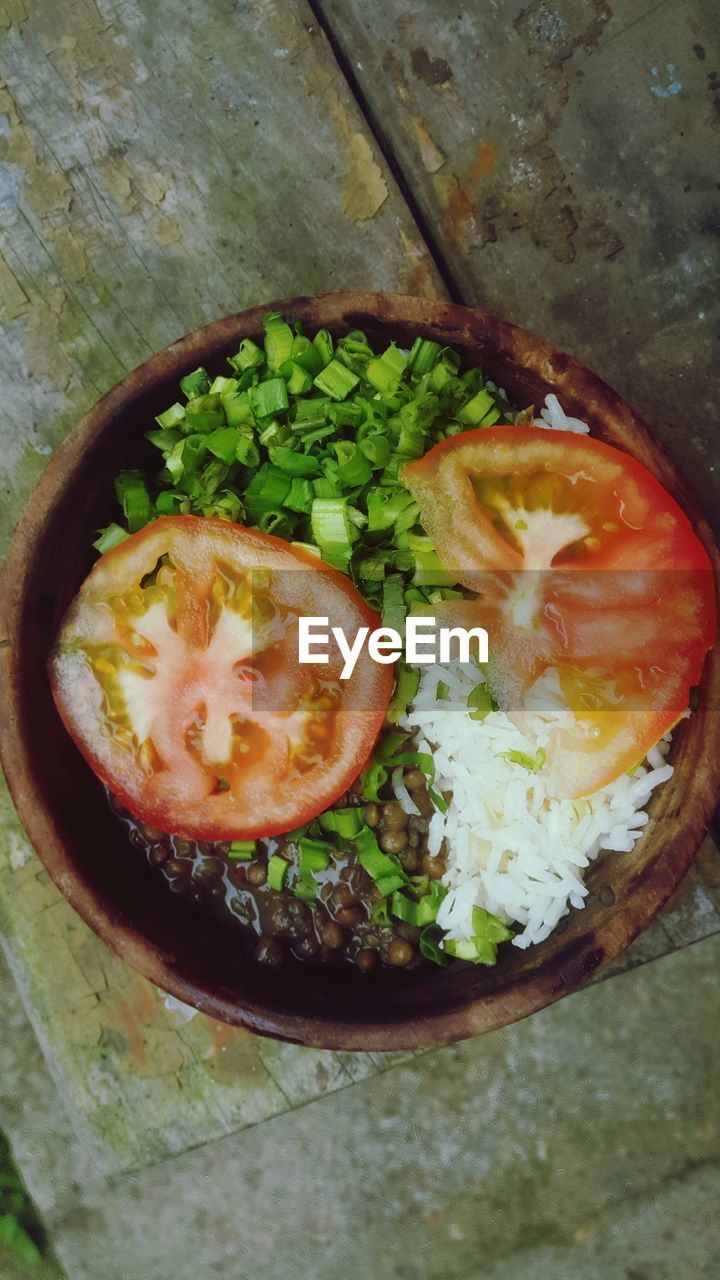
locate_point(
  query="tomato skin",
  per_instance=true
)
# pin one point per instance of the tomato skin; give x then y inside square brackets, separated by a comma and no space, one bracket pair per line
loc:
[192,734]
[441,483]
[583,563]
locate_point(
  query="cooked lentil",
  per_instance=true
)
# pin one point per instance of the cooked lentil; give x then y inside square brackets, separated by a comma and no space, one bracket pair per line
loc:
[339,925]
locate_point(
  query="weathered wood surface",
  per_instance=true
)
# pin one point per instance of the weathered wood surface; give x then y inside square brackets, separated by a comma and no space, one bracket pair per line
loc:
[163,164]
[565,156]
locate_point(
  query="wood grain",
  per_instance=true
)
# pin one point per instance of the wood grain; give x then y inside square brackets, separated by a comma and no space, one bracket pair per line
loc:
[163,166]
[568,187]
[160,166]
[140,198]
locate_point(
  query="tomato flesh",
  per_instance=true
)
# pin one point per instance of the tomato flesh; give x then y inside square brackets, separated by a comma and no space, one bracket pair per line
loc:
[582,563]
[176,672]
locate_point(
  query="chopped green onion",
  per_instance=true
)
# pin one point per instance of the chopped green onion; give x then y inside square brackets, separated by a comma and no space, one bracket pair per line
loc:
[223,444]
[248,357]
[276,522]
[391,743]
[111,536]
[323,344]
[300,496]
[374,444]
[343,822]
[134,499]
[476,409]
[331,530]
[223,386]
[299,380]
[420,911]
[480,702]
[297,464]
[204,413]
[387,884]
[310,413]
[345,413]
[313,855]
[169,504]
[185,459]
[533,763]
[336,380]
[195,384]
[372,568]
[306,355]
[226,505]
[424,355]
[385,373]
[309,438]
[172,417]
[384,868]
[393,603]
[356,344]
[269,397]
[164,440]
[388,507]
[277,869]
[267,489]
[422,759]
[429,944]
[406,686]
[236,408]
[353,467]
[380,913]
[242,850]
[372,779]
[488,932]
[324,488]
[247,451]
[279,339]
[274,433]
[429,572]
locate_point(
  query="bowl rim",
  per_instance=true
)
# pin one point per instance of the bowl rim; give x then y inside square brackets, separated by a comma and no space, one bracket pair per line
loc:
[561,973]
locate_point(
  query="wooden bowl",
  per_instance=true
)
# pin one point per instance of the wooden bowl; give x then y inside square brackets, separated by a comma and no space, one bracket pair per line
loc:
[85,849]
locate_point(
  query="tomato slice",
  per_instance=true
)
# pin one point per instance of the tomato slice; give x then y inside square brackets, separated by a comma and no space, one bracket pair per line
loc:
[176,672]
[581,562]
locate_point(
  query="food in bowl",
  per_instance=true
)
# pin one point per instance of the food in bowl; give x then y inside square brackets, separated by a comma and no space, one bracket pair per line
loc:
[427,820]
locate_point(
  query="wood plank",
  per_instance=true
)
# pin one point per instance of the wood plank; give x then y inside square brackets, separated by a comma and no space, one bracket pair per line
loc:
[162,166]
[566,155]
[141,199]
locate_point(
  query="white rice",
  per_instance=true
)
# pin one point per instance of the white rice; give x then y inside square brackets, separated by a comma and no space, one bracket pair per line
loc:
[514,847]
[554,418]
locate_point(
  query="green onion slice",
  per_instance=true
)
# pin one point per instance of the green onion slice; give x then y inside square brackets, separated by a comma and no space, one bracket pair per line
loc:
[194,384]
[345,823]
[279,339]
[134,499]
[336,380]
[384,868]
[277,872]
[488,933]
[111,536]
[242,850]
